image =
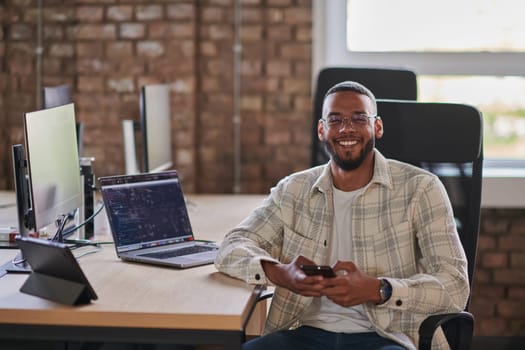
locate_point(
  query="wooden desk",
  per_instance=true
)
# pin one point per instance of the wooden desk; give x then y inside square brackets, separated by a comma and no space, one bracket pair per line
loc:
[140,303]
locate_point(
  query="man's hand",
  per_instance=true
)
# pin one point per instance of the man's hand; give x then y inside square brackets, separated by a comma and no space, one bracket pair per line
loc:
[351,286]
[291,277]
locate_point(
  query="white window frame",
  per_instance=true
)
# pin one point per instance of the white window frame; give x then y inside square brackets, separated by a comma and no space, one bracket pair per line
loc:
[502,183]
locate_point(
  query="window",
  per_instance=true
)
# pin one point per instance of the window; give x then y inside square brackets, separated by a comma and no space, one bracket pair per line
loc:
[470,51]
[435,26]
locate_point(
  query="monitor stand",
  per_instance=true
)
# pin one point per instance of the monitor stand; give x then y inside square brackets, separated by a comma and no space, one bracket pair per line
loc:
[14,267]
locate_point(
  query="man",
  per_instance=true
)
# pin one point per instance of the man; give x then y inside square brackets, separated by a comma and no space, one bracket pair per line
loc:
[386,227]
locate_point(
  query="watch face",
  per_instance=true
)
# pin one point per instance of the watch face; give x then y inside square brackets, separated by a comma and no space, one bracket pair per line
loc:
[385,291]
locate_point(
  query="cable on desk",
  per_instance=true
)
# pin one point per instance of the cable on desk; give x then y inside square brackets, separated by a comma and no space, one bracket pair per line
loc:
[92,217]
[92,251]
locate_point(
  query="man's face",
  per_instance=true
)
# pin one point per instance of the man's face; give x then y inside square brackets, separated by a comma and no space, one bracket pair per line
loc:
[348,143]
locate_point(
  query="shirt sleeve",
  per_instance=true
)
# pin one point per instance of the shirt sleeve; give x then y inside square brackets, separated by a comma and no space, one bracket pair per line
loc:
[258,237]
[442,284]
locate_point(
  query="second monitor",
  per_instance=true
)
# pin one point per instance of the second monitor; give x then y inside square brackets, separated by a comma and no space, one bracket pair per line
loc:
[154,129]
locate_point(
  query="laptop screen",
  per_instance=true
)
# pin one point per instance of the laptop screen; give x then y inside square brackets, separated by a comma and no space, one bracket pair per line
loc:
[146,210]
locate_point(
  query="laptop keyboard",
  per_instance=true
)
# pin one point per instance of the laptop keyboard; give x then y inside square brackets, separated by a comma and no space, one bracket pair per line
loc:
[166,254]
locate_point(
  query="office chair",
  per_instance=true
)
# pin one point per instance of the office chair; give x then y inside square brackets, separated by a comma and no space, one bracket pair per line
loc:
[54,96]
[446,139]
[386,83]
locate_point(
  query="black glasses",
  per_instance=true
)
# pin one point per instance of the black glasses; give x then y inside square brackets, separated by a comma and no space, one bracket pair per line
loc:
[356,120]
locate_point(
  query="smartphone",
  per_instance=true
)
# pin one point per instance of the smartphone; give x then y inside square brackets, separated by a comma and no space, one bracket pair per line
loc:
[323,270]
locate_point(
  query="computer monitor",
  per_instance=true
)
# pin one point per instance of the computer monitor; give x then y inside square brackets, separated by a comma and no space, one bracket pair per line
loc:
[155,128]
[53,165]
[54,96]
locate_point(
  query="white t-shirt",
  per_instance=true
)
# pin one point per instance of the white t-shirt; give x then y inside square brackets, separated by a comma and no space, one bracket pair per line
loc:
[323,313]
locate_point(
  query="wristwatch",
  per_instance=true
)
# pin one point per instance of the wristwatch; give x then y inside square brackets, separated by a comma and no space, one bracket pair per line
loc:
[385,291]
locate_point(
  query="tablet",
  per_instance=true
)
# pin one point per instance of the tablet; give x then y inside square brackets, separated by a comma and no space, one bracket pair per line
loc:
[56,274]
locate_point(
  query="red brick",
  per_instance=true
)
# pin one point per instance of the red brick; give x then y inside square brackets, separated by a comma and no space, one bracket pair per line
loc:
[482,276]
[118,49]
[20,32]
[274,15]
[148,12]
[517,226]
[490,326]
[150,48]
[90,84]
[96,31]
[252,33]
[303,34]
[89,13]
[293,86]
[62,50]
[214,14]
[295,51]
[517,260]
[53,32]
[486,291]
[516,327]
[512,243]
[510,277]
[91,49]
[132,30]
[494,225]
[170,30]
[121,85]
[295,15]
[517,293]
[279,32]
[251,15]
[278,137]
[511,309]
[278,68]
[282,3]
[486,243]
[181,11]
[251,103]
[119,13]
[495,260]
[278,103]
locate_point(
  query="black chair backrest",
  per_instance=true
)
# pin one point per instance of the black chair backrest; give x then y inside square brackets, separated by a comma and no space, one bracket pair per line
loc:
[446,139]
[54,96]
[399,84]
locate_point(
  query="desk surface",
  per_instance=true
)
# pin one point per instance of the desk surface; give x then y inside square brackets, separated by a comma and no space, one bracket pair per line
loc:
[137,295]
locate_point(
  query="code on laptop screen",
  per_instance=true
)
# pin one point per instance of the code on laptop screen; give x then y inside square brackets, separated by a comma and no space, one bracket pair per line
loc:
[147,213]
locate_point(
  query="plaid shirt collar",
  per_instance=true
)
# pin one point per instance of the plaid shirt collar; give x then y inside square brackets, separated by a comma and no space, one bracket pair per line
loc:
[381,175]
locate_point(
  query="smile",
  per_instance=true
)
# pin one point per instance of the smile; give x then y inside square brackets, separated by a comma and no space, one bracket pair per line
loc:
[347,143]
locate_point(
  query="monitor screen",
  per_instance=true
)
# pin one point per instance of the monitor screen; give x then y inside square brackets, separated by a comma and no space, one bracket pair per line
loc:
[155,118]
[54,96]
[53,163]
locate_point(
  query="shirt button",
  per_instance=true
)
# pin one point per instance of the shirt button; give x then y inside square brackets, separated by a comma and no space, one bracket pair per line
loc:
[399,302]
[257,276]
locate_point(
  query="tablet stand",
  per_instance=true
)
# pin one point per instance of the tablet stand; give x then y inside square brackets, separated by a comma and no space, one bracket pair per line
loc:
[56,275]
[56,289]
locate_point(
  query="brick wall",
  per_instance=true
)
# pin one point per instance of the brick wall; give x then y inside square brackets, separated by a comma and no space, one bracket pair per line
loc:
[106,50]
[498,295]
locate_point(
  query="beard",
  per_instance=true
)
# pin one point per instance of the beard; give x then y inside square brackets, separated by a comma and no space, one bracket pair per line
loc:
[349,164]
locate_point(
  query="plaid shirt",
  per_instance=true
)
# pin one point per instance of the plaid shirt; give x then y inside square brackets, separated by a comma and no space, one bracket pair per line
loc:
[403,229]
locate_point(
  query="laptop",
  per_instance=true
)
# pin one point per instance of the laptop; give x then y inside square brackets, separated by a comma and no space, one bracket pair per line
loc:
[149,220]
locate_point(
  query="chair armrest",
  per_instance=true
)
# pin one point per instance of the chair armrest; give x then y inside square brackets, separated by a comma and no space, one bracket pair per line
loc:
[266,294]
[458,328]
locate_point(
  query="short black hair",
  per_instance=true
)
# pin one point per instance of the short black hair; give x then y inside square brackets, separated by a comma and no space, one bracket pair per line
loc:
[352,86]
